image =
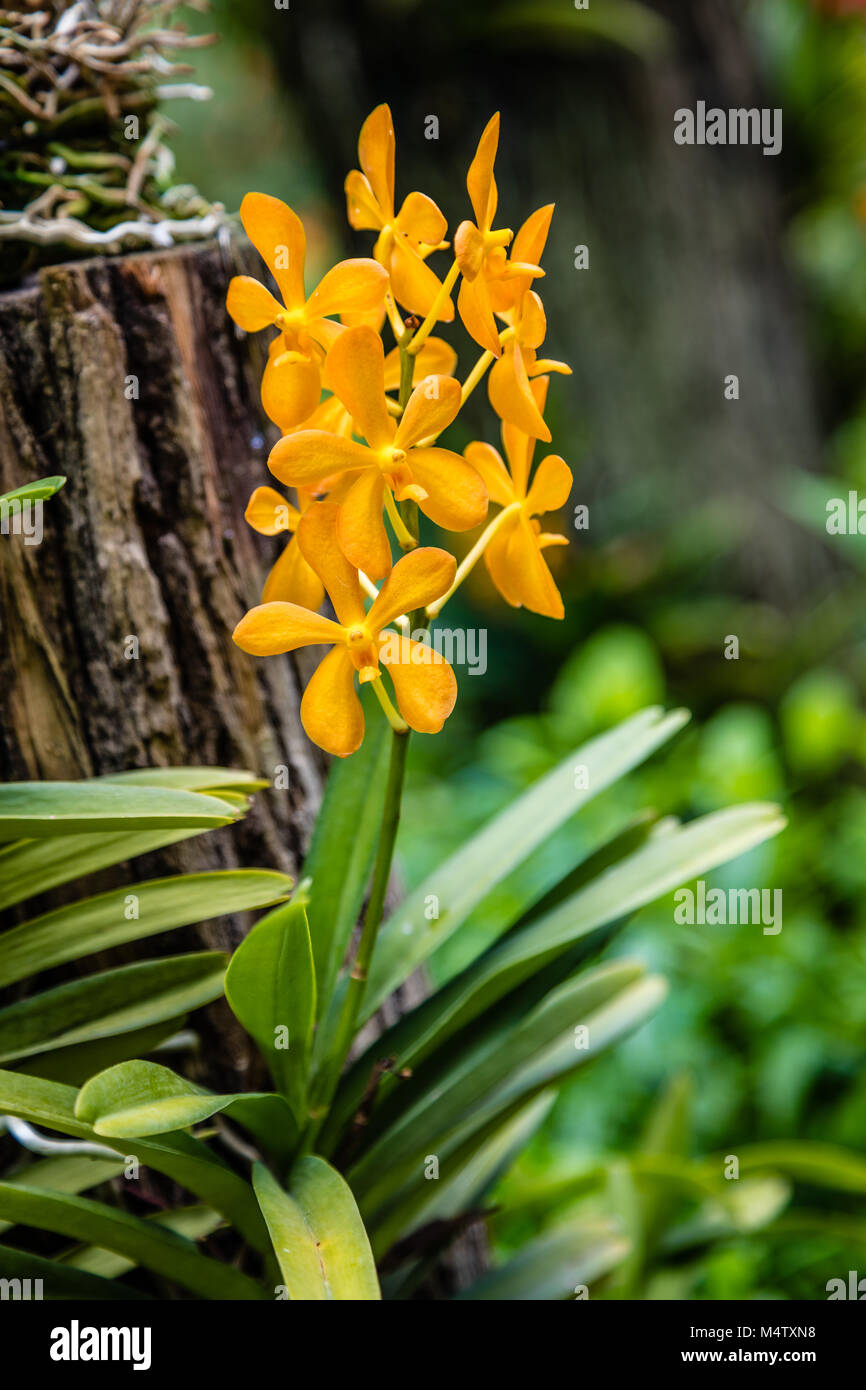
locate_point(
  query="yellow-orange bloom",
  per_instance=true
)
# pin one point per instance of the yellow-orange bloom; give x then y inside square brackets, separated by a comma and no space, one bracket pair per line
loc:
[508,383]
[514,556]
[480,251]
[406,237]
[292,382]
[436,358]
[290,580]
[393,461]
[424,683]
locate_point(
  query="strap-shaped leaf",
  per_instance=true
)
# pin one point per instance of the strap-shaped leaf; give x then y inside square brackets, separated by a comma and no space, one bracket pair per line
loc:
[429,1026]
[34,866]
[59,1281]
[192,1222]
[34,809]
[137,1099]
[179,1156]
[317,1234]
[505,1069]
[131,914]
[192,779]
[142,1241]
[464,880]
[554,1266]
[271,988]
[75,1065]
[823,1165]
[116,1001]
[39,490]
[66,1173]
[671,856]
[340,857]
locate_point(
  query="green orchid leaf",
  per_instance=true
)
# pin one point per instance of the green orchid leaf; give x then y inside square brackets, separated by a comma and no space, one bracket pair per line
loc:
[465,880]
[317,1234]
[137,1099]
[179,1156]
[37,491]
[75,1065]
[467,995]
[271,989]
[59,1281]
[116,1001]
[193,1222]
[517,1057]
[559,1265]
[68,1173]
[340,857]
[212,780]
[32,866]
[822,1165]
[144,1242]
[33,809]
[131,914]
[672,855]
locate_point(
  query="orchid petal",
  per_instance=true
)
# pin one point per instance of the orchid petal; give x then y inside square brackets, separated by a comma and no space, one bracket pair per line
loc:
[351,287]
[376,146]
[424,682]
[331,712]
[456,496]
[272,628]
[251,305]
[277,233]
[269,513]
[308,456]
[430,409]
[317,538]
[355,371]
[416,580]
[361,530]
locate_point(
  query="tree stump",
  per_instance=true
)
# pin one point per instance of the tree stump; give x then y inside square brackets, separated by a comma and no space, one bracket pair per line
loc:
[126,375]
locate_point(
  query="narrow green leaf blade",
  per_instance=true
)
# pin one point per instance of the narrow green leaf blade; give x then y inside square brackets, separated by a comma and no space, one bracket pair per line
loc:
[555,1266]
[180,1157]
[66,1173]
[37,491]
[317,1233]
[116,1001]
[147,1244]
[59,1281]
[137,1099]
[464,880]
[271,989]
[131,914]
[34,809]
[340,858]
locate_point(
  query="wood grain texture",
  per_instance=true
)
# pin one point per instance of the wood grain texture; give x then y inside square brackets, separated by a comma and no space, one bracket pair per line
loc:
[127,376]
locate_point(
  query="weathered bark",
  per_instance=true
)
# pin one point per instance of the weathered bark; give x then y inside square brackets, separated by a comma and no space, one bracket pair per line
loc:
[126,376]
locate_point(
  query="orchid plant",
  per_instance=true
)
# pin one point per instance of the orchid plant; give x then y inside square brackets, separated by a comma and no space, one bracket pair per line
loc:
[361,425]
[329,1191]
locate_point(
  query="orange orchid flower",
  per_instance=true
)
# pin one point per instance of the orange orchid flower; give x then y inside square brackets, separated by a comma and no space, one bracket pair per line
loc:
[331,713]
[514,556]
[290,580]
[436,358]
[508,383]
[392,463]
[405,238]
[292,380]
[480,251]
